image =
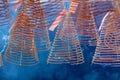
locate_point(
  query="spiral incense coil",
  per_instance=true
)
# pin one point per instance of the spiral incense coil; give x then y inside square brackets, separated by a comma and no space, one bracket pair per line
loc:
[101,7]
[36,14]
[40,27]
[21,49]
[66,47]
[85,24]
[5,16]
[108,48]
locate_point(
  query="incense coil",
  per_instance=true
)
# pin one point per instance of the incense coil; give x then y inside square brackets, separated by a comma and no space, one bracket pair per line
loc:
[66,47]
[107,51]
[112,30]
[85,24]
[5,16]
[36,14]
[21,49]
[41,30]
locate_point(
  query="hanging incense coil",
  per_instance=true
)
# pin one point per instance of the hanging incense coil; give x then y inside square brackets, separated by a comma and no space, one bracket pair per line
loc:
[107,51]
[40,27]
[5,16]
[36,14]
[66,47]
[21,49]
[85,24]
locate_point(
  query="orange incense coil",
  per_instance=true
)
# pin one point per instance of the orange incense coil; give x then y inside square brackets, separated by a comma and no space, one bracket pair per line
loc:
[36,14]
[112,30]
[108,48]
[5,16]
[40,29]
[85,24]
[21,49]
[66,49]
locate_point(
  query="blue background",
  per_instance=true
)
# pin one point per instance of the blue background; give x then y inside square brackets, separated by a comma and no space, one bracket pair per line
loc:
[44,71]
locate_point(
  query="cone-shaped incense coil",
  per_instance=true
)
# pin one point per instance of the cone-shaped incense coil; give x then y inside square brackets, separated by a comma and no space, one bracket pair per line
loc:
[86,26]
[41,32]
[66,47]
[5,16]
[33,9]
[40,27]
[21,49]
[108,48]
